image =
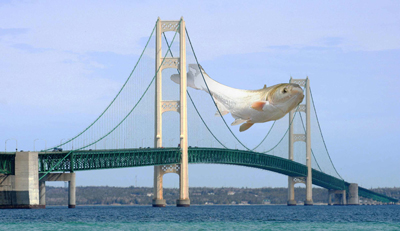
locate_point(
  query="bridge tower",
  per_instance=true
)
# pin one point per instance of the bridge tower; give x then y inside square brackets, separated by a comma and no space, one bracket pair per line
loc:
[292,180]
[180,106]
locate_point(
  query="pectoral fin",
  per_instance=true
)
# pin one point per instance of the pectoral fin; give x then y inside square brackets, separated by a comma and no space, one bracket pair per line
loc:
[258,105]
[222,113]
[237,122]
[245,126]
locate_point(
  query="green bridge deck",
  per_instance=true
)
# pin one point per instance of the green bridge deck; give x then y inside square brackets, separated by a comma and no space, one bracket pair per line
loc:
[123,158]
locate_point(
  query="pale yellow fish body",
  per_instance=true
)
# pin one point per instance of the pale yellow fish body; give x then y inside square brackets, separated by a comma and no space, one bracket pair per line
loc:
[246,106]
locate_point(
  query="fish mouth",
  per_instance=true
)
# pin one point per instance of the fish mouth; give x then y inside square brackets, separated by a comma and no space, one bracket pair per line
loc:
[297,92]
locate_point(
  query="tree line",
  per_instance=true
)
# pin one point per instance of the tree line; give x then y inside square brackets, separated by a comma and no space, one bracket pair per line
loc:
[104,195]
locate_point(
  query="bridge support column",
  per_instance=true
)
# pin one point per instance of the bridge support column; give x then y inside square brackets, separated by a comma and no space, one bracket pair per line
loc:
[158,200]
[342,197]
[42,193]
[72,191]
[21,190]
[7,194]
[305,108]
[70,177]
[331,193]
[184,175]
[291,200]
[353,194]
[309,200]
[339,197]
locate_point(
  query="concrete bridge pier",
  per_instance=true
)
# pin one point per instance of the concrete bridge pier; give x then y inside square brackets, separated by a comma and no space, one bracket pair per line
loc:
[42,193]
[353,194]
[158,200]
[330,195]
[339,197]
[72,191]
[70,177]
[291,198]
[24,190]
[21,190]
[291,201]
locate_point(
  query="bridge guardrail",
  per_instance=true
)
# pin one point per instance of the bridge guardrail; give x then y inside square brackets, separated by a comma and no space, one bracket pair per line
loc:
[7,163]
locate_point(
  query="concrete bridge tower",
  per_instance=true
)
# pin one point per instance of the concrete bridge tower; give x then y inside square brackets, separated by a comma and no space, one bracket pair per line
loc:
[292,180]
[180,106]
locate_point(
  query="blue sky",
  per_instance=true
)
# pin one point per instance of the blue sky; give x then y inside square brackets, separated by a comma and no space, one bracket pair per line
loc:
[62,62]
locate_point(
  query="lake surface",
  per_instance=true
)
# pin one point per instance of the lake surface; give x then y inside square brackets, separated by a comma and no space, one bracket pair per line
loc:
[204,218]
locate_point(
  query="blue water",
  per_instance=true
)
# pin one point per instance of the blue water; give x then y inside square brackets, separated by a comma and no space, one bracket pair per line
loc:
[204,218]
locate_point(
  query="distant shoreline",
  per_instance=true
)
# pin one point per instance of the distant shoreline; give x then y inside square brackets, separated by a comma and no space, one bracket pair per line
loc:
[199,196]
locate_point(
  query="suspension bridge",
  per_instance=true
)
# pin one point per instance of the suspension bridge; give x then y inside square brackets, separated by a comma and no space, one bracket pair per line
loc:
[146,108]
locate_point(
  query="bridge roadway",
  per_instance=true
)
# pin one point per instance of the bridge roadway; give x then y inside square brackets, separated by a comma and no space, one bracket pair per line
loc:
[123,158]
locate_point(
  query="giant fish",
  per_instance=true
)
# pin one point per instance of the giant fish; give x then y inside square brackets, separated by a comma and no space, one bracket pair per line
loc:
[247,107]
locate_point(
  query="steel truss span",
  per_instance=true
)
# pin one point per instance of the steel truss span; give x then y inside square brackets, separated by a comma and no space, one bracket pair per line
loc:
[124,158]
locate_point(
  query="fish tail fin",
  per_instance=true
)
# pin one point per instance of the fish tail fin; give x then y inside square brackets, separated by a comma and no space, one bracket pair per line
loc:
[176,78]
[194,78]
[197,73]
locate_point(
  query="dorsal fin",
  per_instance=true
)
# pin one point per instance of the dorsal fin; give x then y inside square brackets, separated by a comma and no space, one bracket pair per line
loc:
[265,86]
